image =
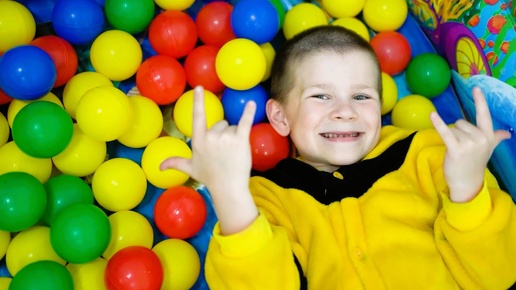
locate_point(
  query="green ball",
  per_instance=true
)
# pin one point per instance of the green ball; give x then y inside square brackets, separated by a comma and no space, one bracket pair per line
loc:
[42,129]
[42,275]
[63,191]
[22,201]
[80,233]
[428,75]
[281,11]
[131,16]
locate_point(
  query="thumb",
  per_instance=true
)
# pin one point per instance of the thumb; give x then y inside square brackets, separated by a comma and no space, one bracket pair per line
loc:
[500,135]
[179,163]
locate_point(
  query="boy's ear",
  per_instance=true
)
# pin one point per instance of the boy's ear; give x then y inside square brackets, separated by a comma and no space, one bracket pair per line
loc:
[277,117]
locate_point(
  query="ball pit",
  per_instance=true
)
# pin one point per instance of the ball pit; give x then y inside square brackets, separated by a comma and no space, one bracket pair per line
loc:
[213,23]
[173,33]
[17,25]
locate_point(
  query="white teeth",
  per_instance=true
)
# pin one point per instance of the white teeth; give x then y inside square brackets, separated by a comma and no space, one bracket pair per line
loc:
[333,135]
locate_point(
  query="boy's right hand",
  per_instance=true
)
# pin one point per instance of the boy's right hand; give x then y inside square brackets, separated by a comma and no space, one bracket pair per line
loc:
[221,160]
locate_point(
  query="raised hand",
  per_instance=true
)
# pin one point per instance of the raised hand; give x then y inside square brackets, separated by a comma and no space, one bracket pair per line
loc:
[221,160]
[468,149]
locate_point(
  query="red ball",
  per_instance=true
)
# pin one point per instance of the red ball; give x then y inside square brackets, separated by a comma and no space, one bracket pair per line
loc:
[134,268]
[200,69]
[213,23]
[62,53]
[4,98]
[180,212]
[173,33]
[393,51]
[267,147]
[161,78]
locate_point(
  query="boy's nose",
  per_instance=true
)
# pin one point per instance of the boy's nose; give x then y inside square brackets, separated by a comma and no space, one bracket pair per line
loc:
[344,111]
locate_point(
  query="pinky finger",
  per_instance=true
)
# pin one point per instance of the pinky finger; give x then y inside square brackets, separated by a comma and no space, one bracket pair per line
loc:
[444,131]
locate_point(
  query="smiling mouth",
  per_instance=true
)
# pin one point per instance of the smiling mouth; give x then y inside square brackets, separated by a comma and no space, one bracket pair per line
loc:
[341,135]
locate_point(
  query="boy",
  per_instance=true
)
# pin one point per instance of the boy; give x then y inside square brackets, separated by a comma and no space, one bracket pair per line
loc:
[361,207]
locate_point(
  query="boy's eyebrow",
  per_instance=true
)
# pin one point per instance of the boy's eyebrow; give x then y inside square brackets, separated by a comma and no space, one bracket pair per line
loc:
[361,86]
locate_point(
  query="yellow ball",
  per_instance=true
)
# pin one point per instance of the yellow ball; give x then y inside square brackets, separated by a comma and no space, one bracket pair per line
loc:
[240,64]
[28,246]
[385,15]
[302,17]
[147,123]
[183,109]
[104,113]
[413,112]
[16,105]
[78,85]
[5,239]
[4,283]
[119,184]
[89,275]
[355,25]
[339,8]
[17,25]
[159,150]
[180,261]
[128,228]
[5,131]
[389,93]
[82,156]
[174,4]
[116,54]
[269,53]
[13,159]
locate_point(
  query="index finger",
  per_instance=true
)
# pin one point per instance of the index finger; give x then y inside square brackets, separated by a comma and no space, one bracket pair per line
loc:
[483,116]
[198,117]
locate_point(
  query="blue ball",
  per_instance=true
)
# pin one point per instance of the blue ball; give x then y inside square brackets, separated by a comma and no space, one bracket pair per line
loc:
[257,20]
[79,21]
[233,102]
[134,154]
[27,72]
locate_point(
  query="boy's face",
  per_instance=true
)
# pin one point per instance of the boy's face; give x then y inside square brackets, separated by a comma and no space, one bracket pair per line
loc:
[333,112]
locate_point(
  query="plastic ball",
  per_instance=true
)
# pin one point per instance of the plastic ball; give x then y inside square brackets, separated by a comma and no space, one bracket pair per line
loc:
[4,130]
[42,129]
[240,64]
[234,101]
[180,261]
[134,154]
[180,212]
[5,240]
[116,54]
[42,275]
[78,85]
[16,105]
[27,72]
[161,78]
[338,9]
[257,20]
[267,147]
[80,233]
[183,109]
[174,4]
[128,228]
[130,16]
[200,68]
[82,156]
[5,282]
[355,25]
[22,201]
[389,93]
[278,5]
[119,184]
[13,159]
[428,74]
[89,275]
[301,17]
[62,53]
[147,123]
[413,112]
[78,22]
[134,268]
[17,25]
[4,98]
[213,22]
[159,150]
[28,246]
[385,15]
[64,190]
[393,51]
[270,54]
[173,33]
[104,113]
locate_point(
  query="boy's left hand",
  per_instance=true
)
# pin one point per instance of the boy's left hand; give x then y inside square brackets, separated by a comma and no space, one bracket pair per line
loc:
[468,150]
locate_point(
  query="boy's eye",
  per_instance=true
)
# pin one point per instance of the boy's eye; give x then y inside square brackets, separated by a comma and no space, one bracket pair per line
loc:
[322,97]
[360,97]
